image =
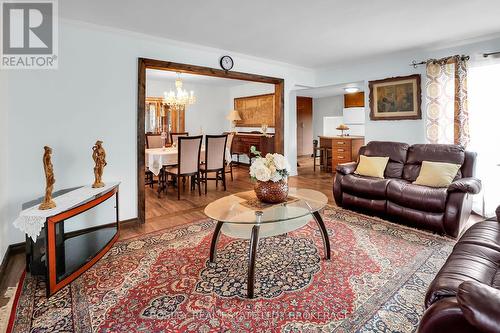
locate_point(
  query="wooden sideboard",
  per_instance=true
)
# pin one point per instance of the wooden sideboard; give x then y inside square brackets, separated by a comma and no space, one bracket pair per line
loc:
[243,141]
[344,148]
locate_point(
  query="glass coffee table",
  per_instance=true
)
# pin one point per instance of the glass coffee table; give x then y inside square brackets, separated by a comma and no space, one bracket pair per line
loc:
[241,215]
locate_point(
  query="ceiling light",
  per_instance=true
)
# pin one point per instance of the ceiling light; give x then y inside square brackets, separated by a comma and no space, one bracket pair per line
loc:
[180,97]
[351,90]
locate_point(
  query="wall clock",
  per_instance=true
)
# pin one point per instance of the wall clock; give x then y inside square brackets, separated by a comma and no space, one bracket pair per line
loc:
[226,62]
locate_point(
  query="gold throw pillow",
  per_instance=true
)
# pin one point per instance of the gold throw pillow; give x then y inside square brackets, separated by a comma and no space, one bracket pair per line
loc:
[371,166]
[437,174]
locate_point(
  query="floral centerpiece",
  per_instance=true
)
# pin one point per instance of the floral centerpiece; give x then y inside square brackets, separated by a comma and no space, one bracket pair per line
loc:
[271,176]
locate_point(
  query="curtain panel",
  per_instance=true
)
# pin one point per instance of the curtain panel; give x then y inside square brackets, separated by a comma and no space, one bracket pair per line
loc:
[446,101]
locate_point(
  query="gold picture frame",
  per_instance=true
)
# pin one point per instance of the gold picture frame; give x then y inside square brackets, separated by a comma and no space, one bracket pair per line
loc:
[255,110]
[396,98]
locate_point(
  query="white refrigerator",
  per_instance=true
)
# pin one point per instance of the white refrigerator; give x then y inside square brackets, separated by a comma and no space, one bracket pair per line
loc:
[354,118]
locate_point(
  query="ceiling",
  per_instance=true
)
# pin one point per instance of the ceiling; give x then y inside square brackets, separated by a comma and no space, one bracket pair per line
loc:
[326,91]
[159,75]
[307,33]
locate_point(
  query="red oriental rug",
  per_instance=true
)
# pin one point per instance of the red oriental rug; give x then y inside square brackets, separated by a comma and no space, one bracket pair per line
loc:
[163,282]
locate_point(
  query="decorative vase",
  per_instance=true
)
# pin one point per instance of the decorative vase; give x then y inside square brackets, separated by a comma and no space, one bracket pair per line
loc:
[271,192]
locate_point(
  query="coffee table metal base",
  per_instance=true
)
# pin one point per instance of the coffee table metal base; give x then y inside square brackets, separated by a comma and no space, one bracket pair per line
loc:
[254,244]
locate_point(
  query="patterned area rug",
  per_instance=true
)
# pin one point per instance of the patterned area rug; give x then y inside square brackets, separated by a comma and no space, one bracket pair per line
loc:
[163,282]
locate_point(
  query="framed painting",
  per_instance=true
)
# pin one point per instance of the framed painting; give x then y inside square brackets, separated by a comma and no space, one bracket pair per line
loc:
[255,110]
[396,98]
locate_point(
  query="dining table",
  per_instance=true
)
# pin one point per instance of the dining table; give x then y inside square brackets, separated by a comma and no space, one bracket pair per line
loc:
[158,158]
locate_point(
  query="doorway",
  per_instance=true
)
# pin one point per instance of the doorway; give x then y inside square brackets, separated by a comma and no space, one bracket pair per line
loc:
[144,64]
[304,126]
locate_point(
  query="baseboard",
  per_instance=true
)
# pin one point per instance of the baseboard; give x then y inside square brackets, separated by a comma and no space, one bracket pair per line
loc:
[12,249]
[17,248]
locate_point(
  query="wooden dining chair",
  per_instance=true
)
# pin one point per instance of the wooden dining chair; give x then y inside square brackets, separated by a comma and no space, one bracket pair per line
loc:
[215,159]
[154,141]
[175,136]
[229,147]
[316,150]
[188,162]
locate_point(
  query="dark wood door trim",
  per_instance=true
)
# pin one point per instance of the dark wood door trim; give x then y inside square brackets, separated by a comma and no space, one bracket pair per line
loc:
[144,63]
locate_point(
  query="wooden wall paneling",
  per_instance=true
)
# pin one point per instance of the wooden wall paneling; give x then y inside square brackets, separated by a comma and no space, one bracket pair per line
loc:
[165,121]
[141,138]
[200,70]
[279,116]
[174,114]
[182,120]
[354,100]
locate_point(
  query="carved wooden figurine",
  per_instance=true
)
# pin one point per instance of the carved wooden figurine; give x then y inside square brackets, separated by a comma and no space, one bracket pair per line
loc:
[48,203]
[99,156]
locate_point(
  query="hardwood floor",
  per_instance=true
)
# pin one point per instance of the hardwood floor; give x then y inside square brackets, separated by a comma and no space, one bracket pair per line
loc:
[166,211]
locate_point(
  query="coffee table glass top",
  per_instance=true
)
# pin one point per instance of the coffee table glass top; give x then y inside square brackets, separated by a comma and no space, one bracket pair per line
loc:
[243,207]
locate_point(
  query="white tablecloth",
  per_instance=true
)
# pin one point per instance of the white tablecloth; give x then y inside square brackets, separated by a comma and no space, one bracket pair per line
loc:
[31,220]
[158,157]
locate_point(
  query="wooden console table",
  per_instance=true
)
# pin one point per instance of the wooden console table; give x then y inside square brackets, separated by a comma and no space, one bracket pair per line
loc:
[243,141]
[344,149]
[61,255]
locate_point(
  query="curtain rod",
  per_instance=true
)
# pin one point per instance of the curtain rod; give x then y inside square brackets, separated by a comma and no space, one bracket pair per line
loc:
[486,55]
[416,64]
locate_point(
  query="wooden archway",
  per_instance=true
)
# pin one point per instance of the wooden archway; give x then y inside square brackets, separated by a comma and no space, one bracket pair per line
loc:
[144,63]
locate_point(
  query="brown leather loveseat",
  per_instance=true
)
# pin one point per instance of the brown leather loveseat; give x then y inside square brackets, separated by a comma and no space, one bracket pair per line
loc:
[465,294]
[442,210]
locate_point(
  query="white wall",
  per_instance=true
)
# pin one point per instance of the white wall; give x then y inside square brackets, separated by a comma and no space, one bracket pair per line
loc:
[4,130]
[209,111]
[93,95]
[398,64]
[325,107]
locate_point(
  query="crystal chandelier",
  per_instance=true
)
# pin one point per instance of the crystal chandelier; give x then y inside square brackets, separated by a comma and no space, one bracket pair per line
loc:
[179,98]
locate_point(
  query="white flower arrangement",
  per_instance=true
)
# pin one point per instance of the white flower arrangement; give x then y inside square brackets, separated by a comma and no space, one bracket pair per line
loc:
[272,167]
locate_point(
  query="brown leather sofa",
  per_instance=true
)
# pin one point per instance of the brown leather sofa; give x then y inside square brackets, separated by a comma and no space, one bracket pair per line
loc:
[465,295]
[442,210]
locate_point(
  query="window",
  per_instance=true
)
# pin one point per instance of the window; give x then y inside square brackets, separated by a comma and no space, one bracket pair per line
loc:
[484,122]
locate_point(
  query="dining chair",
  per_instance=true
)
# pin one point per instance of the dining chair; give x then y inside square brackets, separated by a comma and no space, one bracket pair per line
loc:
[188,162]
[175,136]
[229,147]
[316,150]
[215,159]
[154,141]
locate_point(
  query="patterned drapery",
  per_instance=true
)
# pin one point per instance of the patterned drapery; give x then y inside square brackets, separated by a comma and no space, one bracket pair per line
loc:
[446,98]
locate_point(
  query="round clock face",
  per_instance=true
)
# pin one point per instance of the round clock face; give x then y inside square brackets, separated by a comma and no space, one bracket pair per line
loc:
[226,62]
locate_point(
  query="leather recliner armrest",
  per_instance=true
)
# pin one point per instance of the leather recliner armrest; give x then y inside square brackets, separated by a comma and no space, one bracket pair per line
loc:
[347,168]
[445,316]
[467,185]
[480,305]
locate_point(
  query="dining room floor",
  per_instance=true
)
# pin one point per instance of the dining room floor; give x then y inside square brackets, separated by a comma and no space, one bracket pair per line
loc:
[166,211]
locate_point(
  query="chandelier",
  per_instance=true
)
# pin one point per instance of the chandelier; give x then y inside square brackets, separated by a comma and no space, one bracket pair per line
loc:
[179,98]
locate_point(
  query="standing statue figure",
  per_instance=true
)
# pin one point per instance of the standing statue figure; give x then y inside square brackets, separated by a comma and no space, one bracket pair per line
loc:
[48,203]
[99,156]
